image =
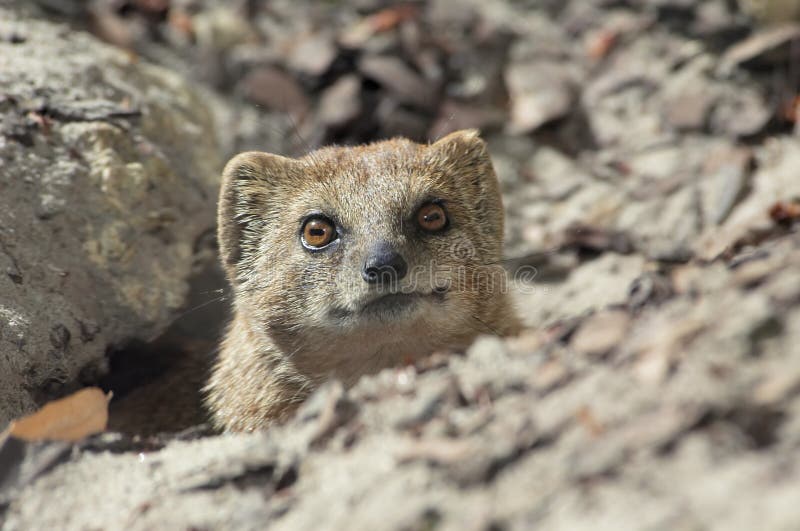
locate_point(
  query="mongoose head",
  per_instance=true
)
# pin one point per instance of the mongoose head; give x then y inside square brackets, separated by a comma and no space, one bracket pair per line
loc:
[373,251]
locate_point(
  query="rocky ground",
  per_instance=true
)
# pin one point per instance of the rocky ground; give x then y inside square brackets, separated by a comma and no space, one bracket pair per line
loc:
[651,171]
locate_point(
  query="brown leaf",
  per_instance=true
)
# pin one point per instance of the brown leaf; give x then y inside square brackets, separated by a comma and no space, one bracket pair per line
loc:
[789,110]
[600,44]
[72,418]
[391,17]
[784,213]
[276,90]
[587,419]
[181,21]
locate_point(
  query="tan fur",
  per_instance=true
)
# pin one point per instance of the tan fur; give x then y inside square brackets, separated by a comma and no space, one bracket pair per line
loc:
[298,316]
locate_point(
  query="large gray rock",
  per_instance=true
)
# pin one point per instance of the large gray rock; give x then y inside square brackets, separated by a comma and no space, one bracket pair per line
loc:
[107,177]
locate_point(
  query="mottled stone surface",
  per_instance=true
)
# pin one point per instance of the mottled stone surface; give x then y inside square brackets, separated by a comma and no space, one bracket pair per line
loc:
[108,172]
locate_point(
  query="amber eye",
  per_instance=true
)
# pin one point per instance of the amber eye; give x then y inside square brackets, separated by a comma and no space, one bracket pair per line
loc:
[318,232]
[432,217]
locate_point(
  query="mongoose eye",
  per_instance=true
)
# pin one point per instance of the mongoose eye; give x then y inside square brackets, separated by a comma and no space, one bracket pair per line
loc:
[318,232]
[432,217]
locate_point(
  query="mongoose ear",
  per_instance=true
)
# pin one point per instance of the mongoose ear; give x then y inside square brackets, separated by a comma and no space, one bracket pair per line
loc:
[464,148]
[249,183]
[463,157]
[462,145]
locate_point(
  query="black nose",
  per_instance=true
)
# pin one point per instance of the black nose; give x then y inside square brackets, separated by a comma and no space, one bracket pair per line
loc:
[384,265]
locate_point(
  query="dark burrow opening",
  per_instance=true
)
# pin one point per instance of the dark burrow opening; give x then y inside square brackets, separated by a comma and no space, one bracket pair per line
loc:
[157,385]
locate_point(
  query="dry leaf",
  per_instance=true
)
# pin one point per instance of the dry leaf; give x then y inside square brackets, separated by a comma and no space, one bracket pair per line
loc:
[391,17]
[600,44]
[382,21]
[587,419]
[785,212]
[72,418]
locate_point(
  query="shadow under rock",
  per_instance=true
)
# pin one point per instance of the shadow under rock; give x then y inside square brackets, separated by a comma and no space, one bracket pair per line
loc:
[157,385]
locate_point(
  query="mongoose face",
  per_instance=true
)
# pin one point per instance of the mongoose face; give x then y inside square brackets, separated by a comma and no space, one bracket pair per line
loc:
[352,259]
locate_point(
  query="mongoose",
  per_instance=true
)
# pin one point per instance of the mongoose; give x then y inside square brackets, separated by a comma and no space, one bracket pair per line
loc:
[350,260]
